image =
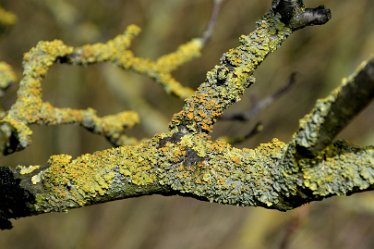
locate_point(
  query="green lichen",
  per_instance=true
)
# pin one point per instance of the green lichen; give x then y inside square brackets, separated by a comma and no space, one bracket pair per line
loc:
[116,51]
[29,107]
[11,128]
[96,177]
[343,169]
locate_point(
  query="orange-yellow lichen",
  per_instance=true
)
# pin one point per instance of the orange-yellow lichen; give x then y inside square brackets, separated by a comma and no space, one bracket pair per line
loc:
[226,83]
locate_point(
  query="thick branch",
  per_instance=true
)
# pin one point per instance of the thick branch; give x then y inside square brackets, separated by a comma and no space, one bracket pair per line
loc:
[190,165]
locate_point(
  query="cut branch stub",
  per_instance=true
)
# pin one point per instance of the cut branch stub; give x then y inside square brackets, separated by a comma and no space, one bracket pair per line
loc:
[296,16]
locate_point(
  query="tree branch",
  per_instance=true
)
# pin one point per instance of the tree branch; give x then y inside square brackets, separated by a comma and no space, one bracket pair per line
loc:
[332,114]
[189,165]
[185,161]
[296,16]
[226,82]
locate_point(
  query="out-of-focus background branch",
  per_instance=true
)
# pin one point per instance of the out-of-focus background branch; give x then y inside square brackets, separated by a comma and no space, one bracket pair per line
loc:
[322,56]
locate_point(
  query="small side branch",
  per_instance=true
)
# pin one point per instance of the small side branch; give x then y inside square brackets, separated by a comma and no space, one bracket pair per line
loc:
[116,51]
[212,21]
[332,114]
[226,82]
[257,128]
[29,107]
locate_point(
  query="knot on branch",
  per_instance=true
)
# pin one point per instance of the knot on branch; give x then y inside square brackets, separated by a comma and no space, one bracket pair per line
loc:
[296,16]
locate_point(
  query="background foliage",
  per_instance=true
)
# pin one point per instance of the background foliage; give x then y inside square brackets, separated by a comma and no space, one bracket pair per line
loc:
[322,56]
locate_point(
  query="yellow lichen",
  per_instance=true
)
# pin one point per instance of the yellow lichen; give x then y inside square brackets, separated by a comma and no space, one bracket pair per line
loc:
[23,170]
[7,76]
[30,108]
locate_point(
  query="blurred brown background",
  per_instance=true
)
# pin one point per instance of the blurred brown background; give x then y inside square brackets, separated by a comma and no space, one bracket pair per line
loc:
[321,55]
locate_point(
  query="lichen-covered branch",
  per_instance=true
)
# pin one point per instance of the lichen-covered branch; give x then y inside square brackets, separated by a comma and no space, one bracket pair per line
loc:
[226,82]
[7,77]
[30,108]
[116,51]
[190,165]
[185,161]
[332,114]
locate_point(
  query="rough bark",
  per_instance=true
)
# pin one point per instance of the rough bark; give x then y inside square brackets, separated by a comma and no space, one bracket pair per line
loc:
[186,161]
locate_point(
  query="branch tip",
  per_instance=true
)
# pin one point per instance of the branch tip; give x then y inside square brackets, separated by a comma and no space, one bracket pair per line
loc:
[296,16]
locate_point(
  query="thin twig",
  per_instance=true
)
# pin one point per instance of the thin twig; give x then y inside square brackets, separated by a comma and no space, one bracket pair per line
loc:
[259,106]
[254,131]
[212,21]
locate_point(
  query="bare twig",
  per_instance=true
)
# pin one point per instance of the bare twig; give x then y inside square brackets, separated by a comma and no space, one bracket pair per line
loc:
[264,103]
[212,21]
[254,131]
